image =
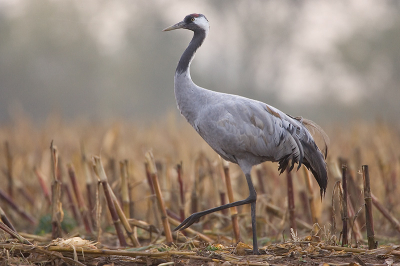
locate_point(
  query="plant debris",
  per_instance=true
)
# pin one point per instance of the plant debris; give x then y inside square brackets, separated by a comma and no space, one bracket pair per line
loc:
[294,253]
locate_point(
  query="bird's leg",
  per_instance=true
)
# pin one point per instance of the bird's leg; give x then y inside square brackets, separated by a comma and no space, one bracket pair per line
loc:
[195,217]
[254,228]
[253,194]
[251,199]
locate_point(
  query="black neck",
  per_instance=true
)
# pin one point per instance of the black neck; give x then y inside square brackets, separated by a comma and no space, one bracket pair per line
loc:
[187,56]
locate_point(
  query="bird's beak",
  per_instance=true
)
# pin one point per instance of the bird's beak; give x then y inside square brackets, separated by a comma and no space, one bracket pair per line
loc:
[178,25]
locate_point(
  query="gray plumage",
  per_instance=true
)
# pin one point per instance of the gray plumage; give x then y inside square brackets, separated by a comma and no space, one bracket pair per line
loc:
[241,130]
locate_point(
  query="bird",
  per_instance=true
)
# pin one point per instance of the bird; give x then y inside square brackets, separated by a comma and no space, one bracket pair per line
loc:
[241,130]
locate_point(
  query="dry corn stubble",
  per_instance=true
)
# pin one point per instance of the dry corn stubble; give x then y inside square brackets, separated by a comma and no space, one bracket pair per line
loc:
[178,143]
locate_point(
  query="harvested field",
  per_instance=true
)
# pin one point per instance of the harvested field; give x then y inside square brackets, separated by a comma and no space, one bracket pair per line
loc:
[54,187]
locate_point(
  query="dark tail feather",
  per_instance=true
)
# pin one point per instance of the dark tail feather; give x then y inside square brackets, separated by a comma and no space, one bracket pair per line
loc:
[314,161]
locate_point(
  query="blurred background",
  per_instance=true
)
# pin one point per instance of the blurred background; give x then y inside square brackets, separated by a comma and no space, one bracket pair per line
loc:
[330,61]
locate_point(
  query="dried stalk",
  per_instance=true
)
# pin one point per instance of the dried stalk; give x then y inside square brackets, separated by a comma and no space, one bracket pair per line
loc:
[43,185]
[189,230]
[126,199]
[98,211]
[368,208]
[99,170]
[345,249]
[72,204]
[36,249]
[56,206]
[385,212]
[305,204]
[102,252]
[233,210]
[46,238]
[79,198]
[260,179]
[345,215]
[336,187]
[160,200]
[112,171]
[222,197]
[278,212]
[153,200]
[199,175]
[292,216]
[25,193]
[355,194]
[67,191]
[5,220]
[91,188]
[124,187]
[16,208]
[193,198]
[310,192]
[181,193]
[54,251]
[13,233]
[131,201]
[128,229]
[354,225]
[350,184]
[144,225]
[8,172]
[173,215]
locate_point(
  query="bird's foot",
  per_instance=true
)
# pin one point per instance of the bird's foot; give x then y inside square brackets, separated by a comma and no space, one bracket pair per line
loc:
[194,218]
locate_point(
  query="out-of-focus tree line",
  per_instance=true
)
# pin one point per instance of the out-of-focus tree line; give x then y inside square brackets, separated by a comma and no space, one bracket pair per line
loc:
[333,60]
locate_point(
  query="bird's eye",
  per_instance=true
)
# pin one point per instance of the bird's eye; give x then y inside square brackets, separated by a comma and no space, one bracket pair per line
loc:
[192,19]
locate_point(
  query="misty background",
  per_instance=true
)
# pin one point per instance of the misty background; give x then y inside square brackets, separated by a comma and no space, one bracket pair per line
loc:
[329,61]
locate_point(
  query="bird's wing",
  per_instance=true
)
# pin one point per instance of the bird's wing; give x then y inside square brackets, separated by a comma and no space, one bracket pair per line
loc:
[311,155]
[242,127]
[238,128]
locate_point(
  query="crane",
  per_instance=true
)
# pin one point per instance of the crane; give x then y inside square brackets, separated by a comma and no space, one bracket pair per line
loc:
[241,130]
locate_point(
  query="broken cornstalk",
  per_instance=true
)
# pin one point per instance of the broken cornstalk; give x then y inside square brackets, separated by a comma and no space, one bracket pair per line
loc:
[79,198]
[16,208]
[181,193]
[385,212]
[91,188]
[99,170]
[5,220]
[66,190]
[13,233]
[260,179]
[368,208]
[123,165]
[278,212]
[132,234]
[191,231]
[153,173]
[56,205]
[153,200]
[43,185]
[345,215]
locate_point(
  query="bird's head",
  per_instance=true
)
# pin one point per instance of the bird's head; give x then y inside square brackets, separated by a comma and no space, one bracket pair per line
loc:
[193,22]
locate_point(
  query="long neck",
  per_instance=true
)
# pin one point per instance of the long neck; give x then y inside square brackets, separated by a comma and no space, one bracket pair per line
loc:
[187,56]
[189,97]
